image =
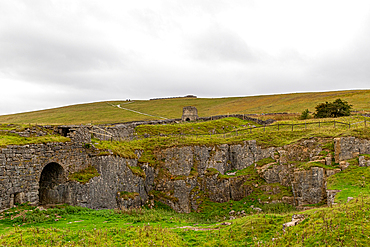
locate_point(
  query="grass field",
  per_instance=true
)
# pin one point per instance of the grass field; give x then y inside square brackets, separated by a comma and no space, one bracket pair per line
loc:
[108,112]
[342,225]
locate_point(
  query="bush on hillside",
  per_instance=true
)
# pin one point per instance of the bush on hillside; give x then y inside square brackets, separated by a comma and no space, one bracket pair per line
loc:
[305,115]
[338,108]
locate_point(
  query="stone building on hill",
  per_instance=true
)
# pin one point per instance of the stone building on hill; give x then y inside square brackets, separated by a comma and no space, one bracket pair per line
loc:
[189,113]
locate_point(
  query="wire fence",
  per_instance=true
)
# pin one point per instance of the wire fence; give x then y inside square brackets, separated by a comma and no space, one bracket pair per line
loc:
[246,130]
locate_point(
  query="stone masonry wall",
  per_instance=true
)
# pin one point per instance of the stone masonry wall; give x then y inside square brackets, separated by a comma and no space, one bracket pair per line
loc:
[21,167]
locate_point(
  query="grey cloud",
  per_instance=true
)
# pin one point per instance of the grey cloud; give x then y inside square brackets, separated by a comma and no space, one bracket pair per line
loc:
[220,44]
[348,69]
[154,23]
[44,57]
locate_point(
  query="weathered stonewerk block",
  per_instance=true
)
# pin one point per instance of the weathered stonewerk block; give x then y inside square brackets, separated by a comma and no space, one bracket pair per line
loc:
[349,148]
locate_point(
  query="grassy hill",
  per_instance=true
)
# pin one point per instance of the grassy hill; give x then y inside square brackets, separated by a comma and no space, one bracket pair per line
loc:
[108,112]
[345,224]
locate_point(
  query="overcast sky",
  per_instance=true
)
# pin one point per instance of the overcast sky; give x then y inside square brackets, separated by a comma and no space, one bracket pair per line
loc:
[56,53]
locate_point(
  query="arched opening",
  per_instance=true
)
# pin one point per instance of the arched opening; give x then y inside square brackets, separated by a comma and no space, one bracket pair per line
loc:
[51,188]
[187,119]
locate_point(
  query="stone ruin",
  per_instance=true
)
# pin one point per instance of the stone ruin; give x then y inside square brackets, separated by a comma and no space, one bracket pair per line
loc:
[189,113]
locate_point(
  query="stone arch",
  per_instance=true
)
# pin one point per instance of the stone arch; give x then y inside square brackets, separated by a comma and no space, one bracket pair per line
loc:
[52,187]
[187,119]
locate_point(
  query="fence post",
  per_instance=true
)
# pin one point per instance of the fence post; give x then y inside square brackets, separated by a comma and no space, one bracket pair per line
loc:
[334,124]
[305,124]
[278,127]
[365,122]
[319,124]
[250,130]
[264,128]
[292,126]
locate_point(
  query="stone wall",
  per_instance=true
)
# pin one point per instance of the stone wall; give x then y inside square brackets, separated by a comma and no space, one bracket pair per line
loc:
[115,176]
[21,167]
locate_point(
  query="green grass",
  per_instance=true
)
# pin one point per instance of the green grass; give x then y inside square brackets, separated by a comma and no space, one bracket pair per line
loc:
[84,175]
[353,182]
[106,112]
[265,161]
[308,165]
[137,171]
[341,225]
[197,128]
[14,139]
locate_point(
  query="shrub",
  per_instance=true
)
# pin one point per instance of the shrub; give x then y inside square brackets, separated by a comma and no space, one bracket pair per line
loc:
[338,108]
[305,115]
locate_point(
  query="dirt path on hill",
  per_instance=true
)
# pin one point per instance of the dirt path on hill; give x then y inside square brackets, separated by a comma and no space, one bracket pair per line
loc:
[142,113]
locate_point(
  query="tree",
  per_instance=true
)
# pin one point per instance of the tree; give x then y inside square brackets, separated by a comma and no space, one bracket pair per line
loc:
[305,115]
[338,108]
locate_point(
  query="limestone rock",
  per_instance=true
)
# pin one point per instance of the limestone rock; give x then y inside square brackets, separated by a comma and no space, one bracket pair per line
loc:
[331,172]
[363,162]
[330,194]
[343,165]
[296,219]
[350,147]
[349,199]
[309,185]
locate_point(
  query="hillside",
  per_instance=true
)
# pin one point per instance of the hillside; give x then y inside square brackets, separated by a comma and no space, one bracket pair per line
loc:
[108,112]
[225,182]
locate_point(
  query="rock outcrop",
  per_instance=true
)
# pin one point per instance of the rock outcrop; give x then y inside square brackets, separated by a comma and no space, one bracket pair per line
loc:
[350,147]
[182,179]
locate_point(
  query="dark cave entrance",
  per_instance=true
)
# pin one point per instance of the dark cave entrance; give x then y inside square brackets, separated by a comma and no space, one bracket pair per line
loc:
[51,187]
[187,119]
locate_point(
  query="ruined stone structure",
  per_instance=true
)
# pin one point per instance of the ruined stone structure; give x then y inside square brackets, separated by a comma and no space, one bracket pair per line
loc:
[39,173]
[189,113]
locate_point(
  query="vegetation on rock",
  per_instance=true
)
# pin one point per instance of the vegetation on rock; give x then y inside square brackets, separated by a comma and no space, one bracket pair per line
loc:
[128,195]
[85,175]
